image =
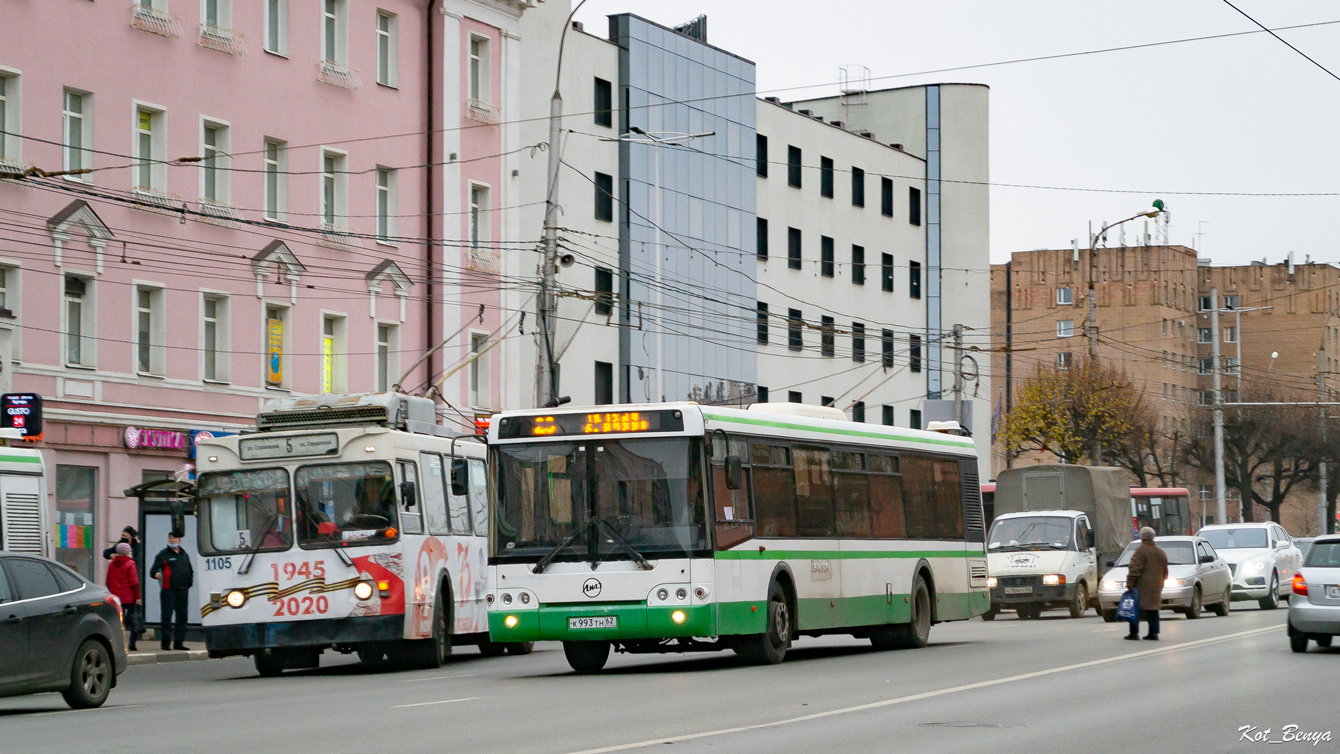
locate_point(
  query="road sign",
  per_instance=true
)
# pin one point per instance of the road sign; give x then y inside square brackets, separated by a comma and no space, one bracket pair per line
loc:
[22,411]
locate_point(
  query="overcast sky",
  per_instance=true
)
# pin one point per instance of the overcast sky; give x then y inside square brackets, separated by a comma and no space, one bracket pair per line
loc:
[1244,114]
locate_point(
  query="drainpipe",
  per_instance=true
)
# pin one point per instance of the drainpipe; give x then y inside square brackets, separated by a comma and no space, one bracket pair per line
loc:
[433,220]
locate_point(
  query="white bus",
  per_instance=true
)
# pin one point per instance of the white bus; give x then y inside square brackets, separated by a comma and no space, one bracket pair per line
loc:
[25,521]
[337,526]
[678,527]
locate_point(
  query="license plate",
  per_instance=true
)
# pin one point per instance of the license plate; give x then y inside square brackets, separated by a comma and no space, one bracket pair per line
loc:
[602,621]
[1333,592]
[1018,590]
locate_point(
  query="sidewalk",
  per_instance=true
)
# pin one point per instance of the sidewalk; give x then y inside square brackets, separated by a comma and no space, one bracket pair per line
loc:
[150,653]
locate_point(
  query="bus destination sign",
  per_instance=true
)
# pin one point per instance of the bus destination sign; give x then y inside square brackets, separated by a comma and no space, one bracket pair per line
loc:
[264,448]
[592,423]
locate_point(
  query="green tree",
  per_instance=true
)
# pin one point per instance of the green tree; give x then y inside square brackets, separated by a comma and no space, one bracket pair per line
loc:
[1063,411]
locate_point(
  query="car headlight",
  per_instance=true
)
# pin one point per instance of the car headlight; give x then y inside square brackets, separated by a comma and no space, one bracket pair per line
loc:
[1172,583]
[363,590]
[1255,566]
[1053,579]
[236,598]
[1113,586]
[990,582]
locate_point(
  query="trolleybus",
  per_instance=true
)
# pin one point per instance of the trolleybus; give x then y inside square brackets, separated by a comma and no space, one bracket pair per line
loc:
[677,527]
[338,526]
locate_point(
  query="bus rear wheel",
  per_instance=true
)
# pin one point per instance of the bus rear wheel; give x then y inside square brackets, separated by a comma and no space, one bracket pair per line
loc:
[769,647]
[916,633]
[587,656]
[270,662]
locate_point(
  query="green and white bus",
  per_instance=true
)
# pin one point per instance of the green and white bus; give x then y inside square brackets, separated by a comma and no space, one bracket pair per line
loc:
[676,527]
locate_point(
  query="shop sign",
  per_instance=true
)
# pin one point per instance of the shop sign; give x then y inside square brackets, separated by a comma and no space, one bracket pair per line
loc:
[205,434]
[22,411]
[156,439]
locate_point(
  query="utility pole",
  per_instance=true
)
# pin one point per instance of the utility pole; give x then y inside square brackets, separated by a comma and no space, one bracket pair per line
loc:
[1321,468]
[1221,507]
[958,374]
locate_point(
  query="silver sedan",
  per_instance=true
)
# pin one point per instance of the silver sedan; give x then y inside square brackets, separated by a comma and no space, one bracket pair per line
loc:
[1197,578]
[1314,608]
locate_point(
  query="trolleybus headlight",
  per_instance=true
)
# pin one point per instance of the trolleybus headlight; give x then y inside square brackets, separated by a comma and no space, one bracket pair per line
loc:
[510,621]
[1053,579]
[236,598]
[990,582]
[507,599]
[677,616]
[662,594]
[680,594]
[525,598]
[363,590]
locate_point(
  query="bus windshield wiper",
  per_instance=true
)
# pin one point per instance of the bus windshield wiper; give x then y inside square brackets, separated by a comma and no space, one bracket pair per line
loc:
[619,540]
[549,558]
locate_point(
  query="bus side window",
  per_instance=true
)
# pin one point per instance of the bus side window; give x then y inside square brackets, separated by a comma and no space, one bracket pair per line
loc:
[814,492]
[479,497]
[886,497]
[434,498]
[774,491]
[851,491]
[411,519]
[458,509]
[948,500]
[919,496]
[734,519]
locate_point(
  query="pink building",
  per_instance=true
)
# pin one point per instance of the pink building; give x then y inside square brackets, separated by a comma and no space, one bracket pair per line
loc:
[223,201]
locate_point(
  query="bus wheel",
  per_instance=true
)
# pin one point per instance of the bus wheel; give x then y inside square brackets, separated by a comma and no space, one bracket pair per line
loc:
[270,662]
[428,654]
[492,648]
[769,648]
[587,656]
[916,633]
[371,655]
[518,648]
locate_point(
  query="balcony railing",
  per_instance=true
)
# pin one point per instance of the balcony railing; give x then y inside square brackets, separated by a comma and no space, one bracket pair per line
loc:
[483,112]
[158,202]
[154,21]
[339,74]
[219,213]
[221,39]
[337,237]
[11,168]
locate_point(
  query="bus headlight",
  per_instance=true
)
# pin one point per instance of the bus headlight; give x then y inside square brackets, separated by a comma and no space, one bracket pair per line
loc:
[990,582]
[677,616]
[1053,579]
[510,621]
[363,590]
[236,598]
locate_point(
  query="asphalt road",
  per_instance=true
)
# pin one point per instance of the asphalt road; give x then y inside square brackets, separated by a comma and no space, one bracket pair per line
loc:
[1005,686]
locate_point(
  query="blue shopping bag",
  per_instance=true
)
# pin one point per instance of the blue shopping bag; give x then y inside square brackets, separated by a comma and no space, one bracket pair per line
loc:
[1128,607]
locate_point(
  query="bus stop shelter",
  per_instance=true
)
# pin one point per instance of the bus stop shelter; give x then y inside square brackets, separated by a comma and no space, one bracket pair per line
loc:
[165,505]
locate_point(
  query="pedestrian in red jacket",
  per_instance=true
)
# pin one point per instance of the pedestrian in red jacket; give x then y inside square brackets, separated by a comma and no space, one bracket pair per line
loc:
[123,580]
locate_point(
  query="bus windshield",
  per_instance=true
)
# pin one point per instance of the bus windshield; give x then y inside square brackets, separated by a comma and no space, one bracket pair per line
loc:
[345,503]
[245,510]
[1030,533]
[610,496]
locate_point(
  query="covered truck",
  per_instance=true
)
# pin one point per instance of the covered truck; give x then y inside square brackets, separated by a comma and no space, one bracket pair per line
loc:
[1057,529]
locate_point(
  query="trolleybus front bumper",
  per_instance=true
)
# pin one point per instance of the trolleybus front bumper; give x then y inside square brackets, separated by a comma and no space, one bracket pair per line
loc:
[632,621]
[246,638]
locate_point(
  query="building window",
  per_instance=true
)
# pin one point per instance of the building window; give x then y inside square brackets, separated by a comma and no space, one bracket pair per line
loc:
[78,135]
[334,31]
[914,205]
[479,215]
[276,180]
[1203,303]
[213,334]
[9,288]
[333,354]
[150,169]
[276,26]
[76,535]
[79,321]
[793,166]
[825,400]
[1205,397]
[1203,334]
[761,239]
[388,49]
[826,177]
[886,416]
[217,13]
[914,353]
[914,418]
[605,197]
[479,376]
[761,155]
[794,340]
[857,265]
[793,248]
[388,351]
[761,319]
[386,205]
[793,396]
[1065,328]
[149,330]
[214,174]
[886,272]
[1230,302]
[1203,366]
[886,197]
[826,256]
[857,187]
[1230,335]
[334,187]
[480,83]
[1065,297]
[886,349]
[604,383]
[604,291]
[760,394]
[857,342]
[10,102]
[1064,360]
[858,411]
[914,279]
[276,346]
[604,104]
[826,336]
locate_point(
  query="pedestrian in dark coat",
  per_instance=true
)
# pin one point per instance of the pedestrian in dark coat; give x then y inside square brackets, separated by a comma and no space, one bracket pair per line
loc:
[172,568]
[123,580]
[130,537]
[1146,573]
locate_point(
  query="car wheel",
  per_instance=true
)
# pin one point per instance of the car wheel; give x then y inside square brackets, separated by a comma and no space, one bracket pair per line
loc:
[1221,609]
[990,614]
[1193,612]
[1109,616]
[769,647]
[587,656]
[90,676]
[1298,642]
[1029,613]
[1272,598]
[1081,601]
[1323,641]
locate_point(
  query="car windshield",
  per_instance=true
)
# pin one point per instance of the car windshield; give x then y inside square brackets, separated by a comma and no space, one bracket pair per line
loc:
[1179,553]
[1323,555]
[345,503]
[245,510]
[612,495]
[1236,539]
[1030,533]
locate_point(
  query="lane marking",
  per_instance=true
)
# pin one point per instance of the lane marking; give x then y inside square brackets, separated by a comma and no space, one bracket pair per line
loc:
[444,701]
[930,694]
[103,708]
[435,678]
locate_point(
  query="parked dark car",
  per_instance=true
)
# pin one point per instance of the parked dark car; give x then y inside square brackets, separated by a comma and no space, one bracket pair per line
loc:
[58,632]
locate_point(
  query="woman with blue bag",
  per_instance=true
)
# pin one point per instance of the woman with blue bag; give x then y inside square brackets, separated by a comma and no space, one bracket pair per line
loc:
[1145,576]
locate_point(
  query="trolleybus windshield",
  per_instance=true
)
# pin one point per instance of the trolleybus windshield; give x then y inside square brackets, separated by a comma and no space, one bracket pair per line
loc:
[345,503]
[245,510]
[643,495]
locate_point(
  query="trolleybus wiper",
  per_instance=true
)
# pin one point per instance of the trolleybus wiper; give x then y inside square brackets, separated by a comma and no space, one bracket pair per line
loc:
[245,565]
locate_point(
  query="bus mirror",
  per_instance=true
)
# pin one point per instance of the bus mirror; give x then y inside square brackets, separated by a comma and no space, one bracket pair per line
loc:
[734,473]
[460,477]
[408,494]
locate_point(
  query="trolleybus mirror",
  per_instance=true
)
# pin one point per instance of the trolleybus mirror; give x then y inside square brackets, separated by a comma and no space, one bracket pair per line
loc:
[734,473]
[408,494]
[460,477]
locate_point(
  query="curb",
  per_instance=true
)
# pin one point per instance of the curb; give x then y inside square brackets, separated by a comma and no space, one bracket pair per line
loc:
[154,658]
